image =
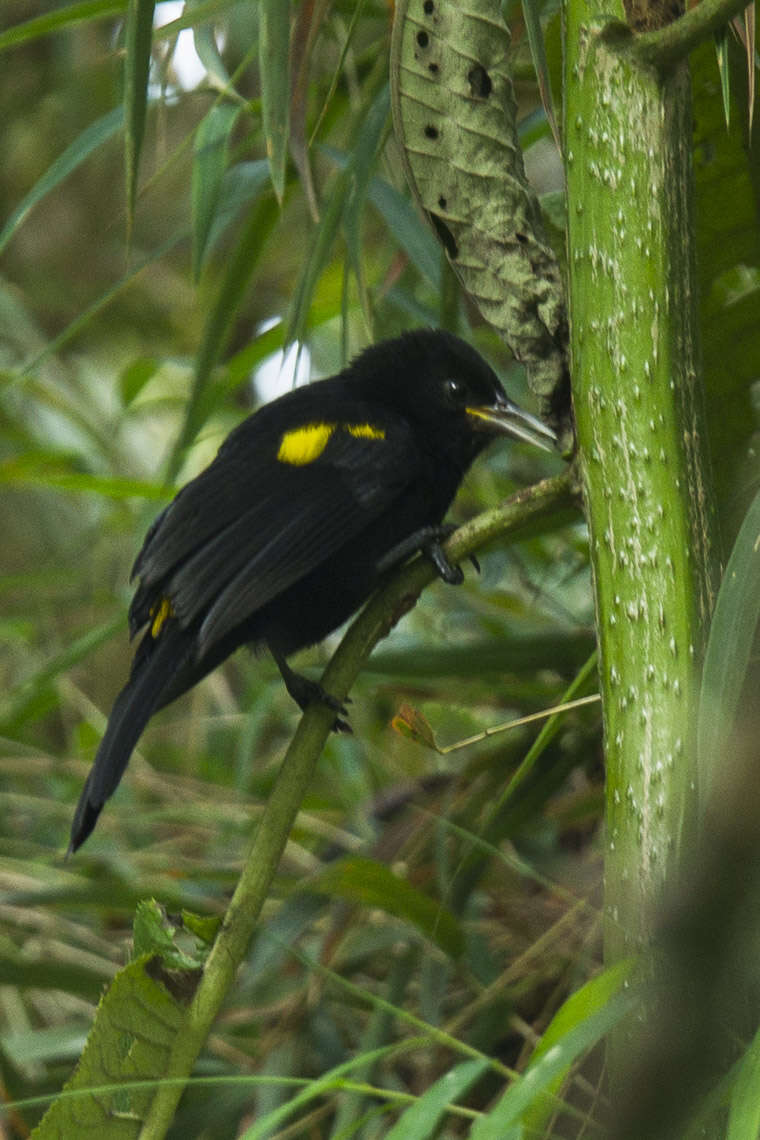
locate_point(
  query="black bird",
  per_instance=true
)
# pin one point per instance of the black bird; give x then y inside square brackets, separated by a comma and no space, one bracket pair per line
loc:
[308,502]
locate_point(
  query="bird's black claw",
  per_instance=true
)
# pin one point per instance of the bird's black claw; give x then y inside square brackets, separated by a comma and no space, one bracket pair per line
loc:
[305,692]
[445,569]
[475,563]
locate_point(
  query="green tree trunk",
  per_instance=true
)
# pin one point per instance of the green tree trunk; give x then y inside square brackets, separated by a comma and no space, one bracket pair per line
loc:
[638,403]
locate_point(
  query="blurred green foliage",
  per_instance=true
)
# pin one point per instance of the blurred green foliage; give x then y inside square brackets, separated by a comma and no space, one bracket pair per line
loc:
[129,345]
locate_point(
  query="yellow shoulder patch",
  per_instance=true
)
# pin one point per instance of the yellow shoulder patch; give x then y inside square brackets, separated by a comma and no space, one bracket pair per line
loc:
[365,431]
[304,444]
[160,612]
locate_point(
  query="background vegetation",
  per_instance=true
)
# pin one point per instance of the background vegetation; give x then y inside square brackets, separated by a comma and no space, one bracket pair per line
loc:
[427,901]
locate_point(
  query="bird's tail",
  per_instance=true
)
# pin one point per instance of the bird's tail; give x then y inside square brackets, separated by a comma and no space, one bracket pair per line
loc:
[156,663]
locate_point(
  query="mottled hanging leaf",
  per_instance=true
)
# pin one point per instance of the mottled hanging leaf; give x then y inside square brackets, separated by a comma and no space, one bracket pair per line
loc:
[455,115]
[134,1029]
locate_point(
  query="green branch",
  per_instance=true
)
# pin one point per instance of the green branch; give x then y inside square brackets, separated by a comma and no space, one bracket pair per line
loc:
[376,620]
[669,45]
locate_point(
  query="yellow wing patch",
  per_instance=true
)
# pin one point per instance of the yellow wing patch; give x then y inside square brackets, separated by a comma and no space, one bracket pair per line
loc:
[365,431]
[304,444]
[160,612]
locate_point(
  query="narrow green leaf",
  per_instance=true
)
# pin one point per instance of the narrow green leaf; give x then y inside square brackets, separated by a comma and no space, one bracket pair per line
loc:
[268,1125]
[39,471]
[19,703]
[744,1111]
[412,234]
[421,1120]
[274,69]
[532,17]
[138,36]
[580,683]
[721,54]
[539,1077]
[241,185]
[362,165]
[83,320]
[135,376]
[241,268]
[192,16]
[51,22]
[74,155]
[338,72]
[404,222]
[209,54]
[324,234]
[209,165]
[369,883]
[729,646]
[322,242]
[589,999]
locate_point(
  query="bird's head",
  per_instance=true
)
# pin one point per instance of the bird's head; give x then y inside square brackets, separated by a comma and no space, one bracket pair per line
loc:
[443,384]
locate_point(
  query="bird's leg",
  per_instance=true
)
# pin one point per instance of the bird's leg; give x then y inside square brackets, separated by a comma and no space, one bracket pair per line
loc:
[427,540]
[305,692]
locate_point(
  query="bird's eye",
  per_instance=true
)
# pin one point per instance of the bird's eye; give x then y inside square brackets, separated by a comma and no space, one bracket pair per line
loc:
[454,391]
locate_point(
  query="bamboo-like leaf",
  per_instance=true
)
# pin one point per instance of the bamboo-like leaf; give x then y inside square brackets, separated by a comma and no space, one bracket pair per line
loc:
[410,232]
[362,165]
[532,17]
[421,1120]
[37,471]
[721,54]
[209,165]
[20,703]
[308,21]
[138,35]
[592,997]
[100,303]
[744,1114]
[274,69]
[357,11]
[372,884]
[745,28]
[239,272]
[324,234]
[727,245]
[58,19]
[529,1091]
[192,16]
[74,155]
[209,55]
[403,221]
[135,376]
[729,646]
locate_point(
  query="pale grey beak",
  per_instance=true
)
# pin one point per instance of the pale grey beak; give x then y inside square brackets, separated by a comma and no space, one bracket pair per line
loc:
[505,418]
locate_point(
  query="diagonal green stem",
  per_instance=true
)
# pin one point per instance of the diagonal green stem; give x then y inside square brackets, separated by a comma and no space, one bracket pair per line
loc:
[375,621]
[667,46]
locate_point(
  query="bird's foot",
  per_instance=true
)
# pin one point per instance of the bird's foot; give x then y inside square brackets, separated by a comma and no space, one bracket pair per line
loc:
[433,550]
[428,541]
[306,692]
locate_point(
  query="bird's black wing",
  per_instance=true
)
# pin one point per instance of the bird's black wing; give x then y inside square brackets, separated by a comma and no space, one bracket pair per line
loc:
[253,523]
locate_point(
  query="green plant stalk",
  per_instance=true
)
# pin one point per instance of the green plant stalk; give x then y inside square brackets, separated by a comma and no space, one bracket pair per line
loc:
[638,406]
[375,621]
